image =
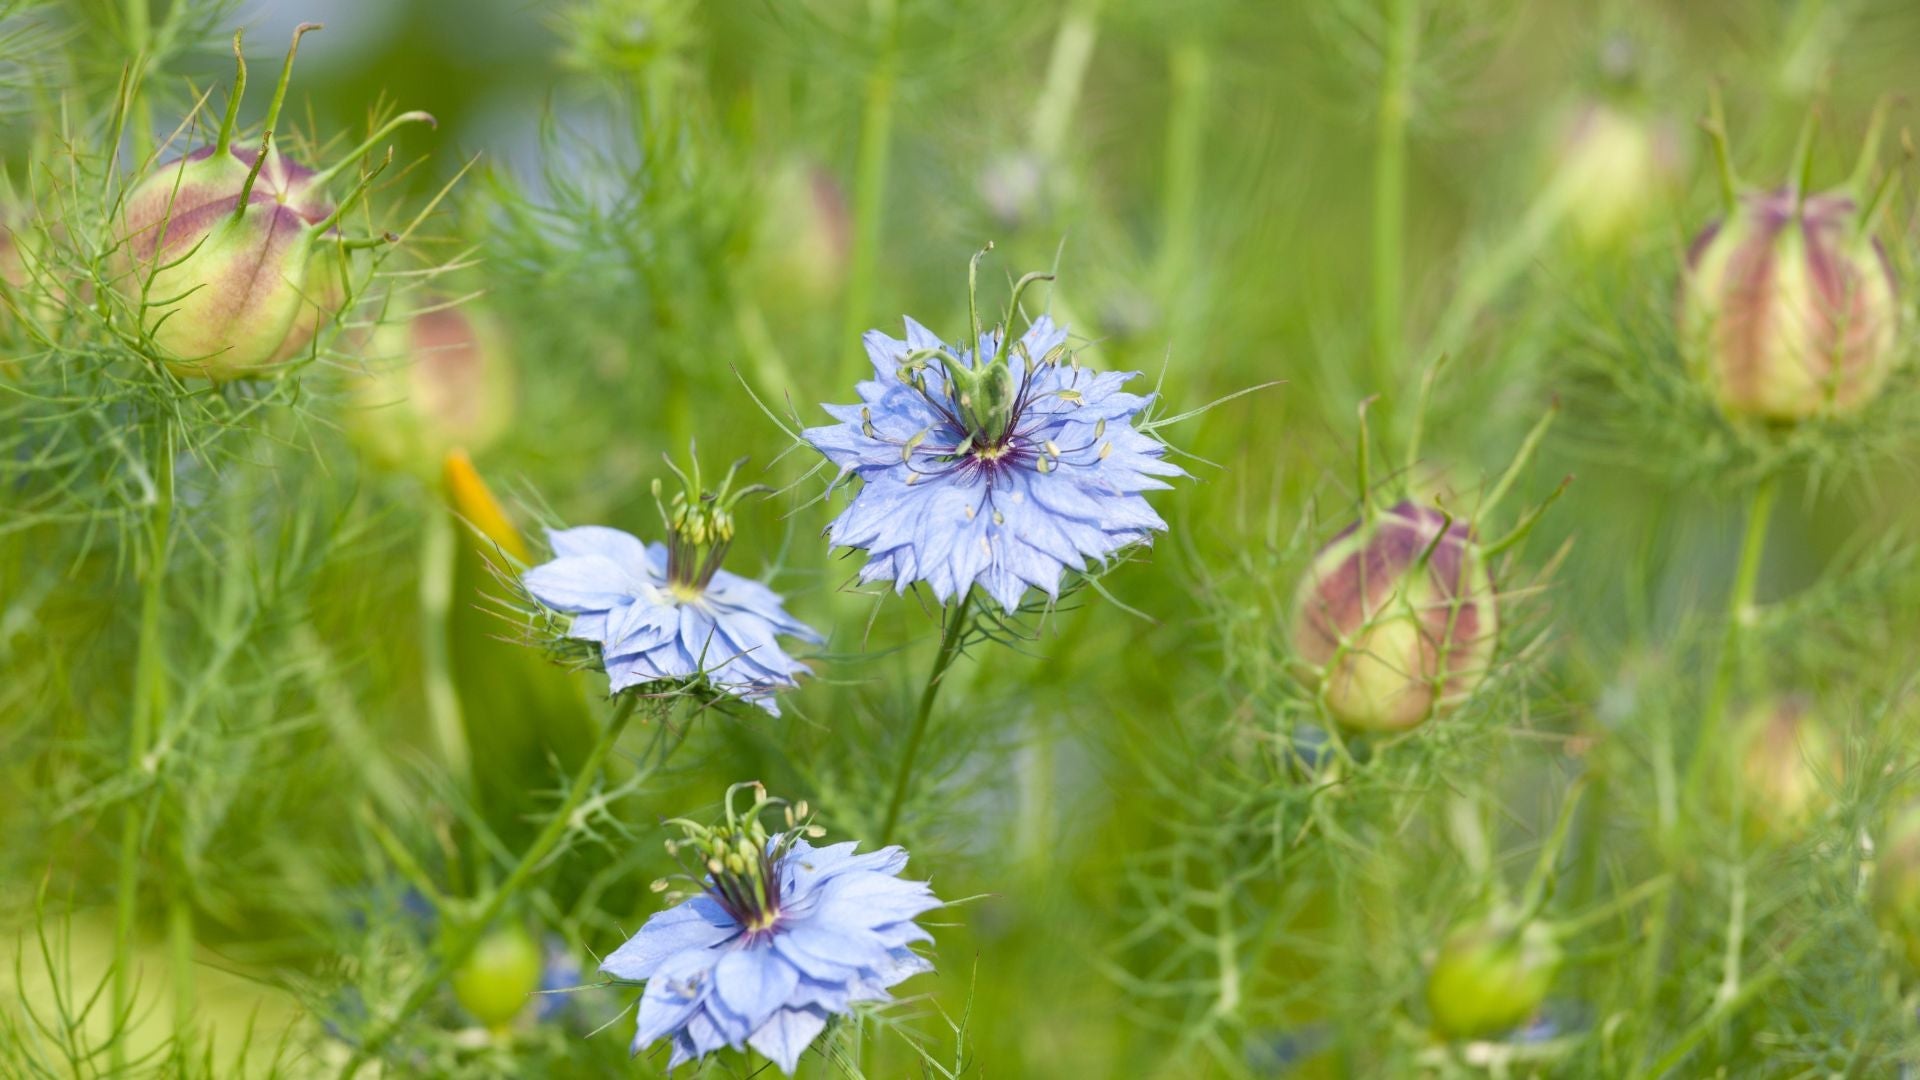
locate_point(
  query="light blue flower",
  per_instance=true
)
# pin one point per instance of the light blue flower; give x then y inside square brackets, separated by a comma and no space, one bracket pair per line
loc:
[1004,466]
[780,937]
[667,612]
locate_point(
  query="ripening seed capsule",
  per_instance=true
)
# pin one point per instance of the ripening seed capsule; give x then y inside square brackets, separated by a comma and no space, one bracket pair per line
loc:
[1396,621]
[433,382]
[500,975]
[1491,976]
[1789,309]
[1790,758]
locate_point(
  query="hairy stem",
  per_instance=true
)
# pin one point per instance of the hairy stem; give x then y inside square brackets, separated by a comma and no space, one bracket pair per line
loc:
[951,637]
[461,942]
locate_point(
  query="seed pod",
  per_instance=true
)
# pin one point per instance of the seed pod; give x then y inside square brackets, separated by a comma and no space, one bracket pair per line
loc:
[803,243]
[1789,309]
[1618,168]
[1491,976]
[433,382]
[499,977]
[1396,620]
[1789,760]
[216,248]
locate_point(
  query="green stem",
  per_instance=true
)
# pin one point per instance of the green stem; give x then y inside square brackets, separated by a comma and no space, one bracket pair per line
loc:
[462,940]
[951,637]
[1746,577]
[439,544]
[1390,189]
[870,178]
[1066,73]
[1188,67]
[149,710]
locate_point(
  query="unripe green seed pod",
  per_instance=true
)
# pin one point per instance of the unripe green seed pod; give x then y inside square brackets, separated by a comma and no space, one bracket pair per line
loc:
[1618,168]
[1490,977]
[1396,620]
[803,242]
[1788,760]
[1896,882]
[499,977]
[433,382]
[1789,309]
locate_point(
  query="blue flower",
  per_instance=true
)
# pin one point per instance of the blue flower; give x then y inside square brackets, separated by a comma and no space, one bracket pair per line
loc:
[781,936]
[667,612]
[1005,466]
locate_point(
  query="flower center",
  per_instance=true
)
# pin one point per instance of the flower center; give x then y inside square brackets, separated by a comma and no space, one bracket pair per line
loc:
[740,860]
[699,530]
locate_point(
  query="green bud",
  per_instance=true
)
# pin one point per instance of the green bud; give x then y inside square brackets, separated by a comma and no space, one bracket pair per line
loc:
[1490,977]
[497,979]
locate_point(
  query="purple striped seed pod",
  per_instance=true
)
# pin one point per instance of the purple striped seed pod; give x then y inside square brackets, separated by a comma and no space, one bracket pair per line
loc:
[1789,310]
[1396,621]
[225,291]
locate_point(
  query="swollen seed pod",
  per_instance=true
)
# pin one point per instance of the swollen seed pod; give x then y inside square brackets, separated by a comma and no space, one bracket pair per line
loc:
[1396,620]
[435,381]
[499,977]
[803,243]
[216,247]
[1788,762]
[1491,976]
[1789,309]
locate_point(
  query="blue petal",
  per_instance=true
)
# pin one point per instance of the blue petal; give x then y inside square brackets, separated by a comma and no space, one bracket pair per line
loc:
[580,583]
[787,1034]
[753,983]
[622,548]
[698,923]
[673,996]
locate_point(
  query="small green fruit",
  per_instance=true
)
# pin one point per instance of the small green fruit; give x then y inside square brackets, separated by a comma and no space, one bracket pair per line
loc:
[1490,977]
[499,977]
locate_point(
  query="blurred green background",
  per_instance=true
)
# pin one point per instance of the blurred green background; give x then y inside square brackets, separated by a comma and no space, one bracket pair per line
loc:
[677,207]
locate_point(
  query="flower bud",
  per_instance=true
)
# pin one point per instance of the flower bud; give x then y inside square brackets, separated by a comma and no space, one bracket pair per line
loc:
[1617,169]
[216,248]
[1789,309]
[1896,882]
[433,382]
[1788,762]
[1491,976]
[499,976]
[1396,620]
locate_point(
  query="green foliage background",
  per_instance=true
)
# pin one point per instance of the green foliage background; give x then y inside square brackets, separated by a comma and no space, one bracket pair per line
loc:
[674,208]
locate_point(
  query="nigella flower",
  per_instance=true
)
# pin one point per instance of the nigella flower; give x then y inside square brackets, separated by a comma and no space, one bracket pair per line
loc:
[667,612]
[780,937]
[1005,465]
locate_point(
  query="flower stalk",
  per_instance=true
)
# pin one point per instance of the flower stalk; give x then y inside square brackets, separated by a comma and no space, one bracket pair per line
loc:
[958,625]
[462,941]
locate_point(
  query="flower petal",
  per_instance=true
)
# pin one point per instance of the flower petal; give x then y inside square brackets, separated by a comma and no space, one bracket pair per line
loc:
[785,1036]
[695,924]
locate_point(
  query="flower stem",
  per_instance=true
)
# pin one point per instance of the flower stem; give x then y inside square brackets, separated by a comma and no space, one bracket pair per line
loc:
[1746,577]
[438,549]
[149,709]
[1390,189]
[951,636]
[870,176]
[462,940]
